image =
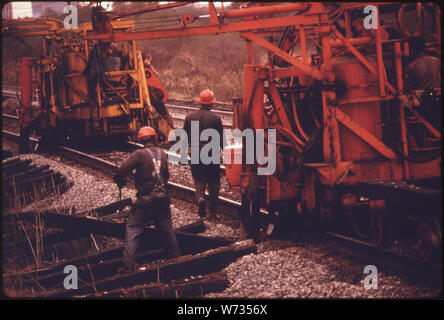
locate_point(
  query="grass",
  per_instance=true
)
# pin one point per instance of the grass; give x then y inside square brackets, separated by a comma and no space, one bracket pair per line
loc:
[33,232]
[186,65]
[189,65]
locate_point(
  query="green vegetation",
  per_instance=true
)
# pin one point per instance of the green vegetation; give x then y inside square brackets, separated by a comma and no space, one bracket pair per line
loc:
[186,65]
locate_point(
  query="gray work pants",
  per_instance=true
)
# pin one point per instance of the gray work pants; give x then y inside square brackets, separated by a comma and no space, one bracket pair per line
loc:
[153,207]
[213,192]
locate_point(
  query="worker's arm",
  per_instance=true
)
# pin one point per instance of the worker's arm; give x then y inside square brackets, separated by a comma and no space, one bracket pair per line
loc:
[164,167]
[126,167]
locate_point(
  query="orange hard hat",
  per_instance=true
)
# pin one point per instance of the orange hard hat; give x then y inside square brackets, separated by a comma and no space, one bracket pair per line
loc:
[146,132]
[207,97]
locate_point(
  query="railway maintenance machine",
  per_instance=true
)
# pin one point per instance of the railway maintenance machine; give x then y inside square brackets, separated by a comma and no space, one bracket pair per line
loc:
[352,158]
[86,88]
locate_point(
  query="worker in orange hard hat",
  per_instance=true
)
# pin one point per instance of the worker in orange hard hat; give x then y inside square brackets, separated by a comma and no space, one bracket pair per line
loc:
[207,97]
[205,174]
[153,202]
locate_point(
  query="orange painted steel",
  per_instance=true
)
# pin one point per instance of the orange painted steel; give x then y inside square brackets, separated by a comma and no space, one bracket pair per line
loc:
[253,98]
[284,55]
[247,25]
[362,58]
[402,121]
[268,9]
[427,124]
[352,41]
[379,58]
[282,114]
[118,15]
[296,119]
[365,135]
[26,64]
[344,78]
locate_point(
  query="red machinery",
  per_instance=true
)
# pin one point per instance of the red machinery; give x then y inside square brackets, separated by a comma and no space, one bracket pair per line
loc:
[86,88]
[350,156]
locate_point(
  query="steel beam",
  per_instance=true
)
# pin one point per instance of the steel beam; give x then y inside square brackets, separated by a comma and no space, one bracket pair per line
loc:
[306,68]
[365,135]
[211,29]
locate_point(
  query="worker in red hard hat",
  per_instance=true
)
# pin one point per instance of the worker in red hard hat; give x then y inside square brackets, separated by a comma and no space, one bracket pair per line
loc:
[205,174]
[153,202]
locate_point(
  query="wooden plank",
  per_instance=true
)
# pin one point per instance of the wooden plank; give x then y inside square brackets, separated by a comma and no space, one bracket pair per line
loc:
[29,173]
[108,254]
[115,229]
[184,288]
[29,194]
[90,272]
[113,207]
[195,227]
[184,266]
[22,247]
[45,177]
[82,224]
[9,162]
[200,243]
[16,168]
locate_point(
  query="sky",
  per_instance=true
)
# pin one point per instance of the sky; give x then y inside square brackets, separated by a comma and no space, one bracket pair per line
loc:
[24,9]
[21,9]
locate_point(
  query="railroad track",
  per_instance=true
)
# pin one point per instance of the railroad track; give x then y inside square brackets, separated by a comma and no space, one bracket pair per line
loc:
[9,91]
[131,145]
[195,273]
[351,246]
[176,190]
[177,108]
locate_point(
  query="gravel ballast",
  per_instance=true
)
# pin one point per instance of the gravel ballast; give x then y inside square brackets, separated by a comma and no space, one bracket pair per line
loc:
[286,269]
[280,269]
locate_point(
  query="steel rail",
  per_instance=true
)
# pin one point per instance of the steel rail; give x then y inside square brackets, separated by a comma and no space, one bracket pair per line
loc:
[355,247]
[176,190]
[132,145]
[383,257]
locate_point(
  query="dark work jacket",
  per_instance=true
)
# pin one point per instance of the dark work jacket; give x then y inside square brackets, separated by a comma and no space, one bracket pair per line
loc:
[423,73]
[207,120]
[145,175]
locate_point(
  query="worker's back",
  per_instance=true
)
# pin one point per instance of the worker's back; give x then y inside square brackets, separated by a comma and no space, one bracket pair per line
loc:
[145,177]
[206,120]
[423,73]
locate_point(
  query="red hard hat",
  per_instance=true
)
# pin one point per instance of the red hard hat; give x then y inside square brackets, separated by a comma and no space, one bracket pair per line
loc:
[146,132]
[207,97]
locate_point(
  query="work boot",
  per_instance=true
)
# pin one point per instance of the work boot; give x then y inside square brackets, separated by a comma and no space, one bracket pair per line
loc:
[201,206]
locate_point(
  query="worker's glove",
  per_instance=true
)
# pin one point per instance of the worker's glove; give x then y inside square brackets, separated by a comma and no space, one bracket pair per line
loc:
[120,181]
